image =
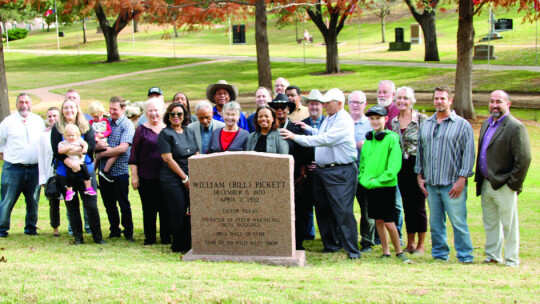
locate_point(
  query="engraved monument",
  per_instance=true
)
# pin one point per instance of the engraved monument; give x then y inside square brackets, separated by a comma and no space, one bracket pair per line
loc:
[242,208]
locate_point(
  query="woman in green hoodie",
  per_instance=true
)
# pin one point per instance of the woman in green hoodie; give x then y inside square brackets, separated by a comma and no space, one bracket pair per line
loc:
[379,167]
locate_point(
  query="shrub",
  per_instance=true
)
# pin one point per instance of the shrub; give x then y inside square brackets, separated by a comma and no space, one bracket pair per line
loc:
[16,34]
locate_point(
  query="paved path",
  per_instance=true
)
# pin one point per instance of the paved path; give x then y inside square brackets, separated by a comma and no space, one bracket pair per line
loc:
[51,99]
[308,60]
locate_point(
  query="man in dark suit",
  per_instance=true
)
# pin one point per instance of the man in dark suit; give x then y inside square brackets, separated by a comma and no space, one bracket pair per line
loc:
[204,126]
[502,164]
[314,120]
[283,108]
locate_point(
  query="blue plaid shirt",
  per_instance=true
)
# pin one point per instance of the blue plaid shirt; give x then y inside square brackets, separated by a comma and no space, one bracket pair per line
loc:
[122,131]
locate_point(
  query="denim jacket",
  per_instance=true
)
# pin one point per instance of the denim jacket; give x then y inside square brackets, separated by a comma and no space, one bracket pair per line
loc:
[274,142]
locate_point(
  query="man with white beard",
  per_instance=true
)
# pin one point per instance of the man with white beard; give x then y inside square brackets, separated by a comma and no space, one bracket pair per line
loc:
[386,91]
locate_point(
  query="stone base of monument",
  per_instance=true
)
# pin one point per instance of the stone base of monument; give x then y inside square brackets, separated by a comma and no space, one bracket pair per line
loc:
[400,46]
[297,260]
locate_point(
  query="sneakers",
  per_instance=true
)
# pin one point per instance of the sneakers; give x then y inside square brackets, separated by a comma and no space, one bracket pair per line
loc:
[106,176]
[403,258]
[90,191]
[384,256]
[69,195]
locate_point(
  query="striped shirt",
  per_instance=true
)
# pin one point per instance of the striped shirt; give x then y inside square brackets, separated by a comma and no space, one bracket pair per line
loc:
[445,151]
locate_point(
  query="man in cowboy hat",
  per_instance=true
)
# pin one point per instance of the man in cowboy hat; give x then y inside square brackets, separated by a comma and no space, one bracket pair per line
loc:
[335,178]
[316,117]
[283,107]
[221,93]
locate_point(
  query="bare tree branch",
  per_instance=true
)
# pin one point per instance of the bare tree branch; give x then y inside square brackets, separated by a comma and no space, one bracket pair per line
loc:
[276,8]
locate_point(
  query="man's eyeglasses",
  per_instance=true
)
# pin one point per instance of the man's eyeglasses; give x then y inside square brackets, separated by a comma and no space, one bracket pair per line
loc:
[176,114]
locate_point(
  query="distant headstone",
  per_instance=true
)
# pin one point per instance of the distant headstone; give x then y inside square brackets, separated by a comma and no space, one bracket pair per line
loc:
[239,33]
[399,34]
[399,44]
[242,208]
[416,33]
[482,51]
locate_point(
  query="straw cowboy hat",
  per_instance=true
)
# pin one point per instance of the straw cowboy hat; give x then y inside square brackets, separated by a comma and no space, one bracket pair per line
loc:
[222,84]
[314,95]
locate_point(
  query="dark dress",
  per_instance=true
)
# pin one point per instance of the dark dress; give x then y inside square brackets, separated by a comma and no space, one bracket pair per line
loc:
[181,146]
[145,155]
[89,202]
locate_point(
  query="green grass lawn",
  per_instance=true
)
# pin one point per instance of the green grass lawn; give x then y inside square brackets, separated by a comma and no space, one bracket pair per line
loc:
[28,71]
[34,71]
[52,270]
[360,38]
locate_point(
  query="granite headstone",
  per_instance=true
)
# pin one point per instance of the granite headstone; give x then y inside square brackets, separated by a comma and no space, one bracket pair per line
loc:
[242,208]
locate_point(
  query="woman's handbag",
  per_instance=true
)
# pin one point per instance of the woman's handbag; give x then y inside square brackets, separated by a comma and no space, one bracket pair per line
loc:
[51,187]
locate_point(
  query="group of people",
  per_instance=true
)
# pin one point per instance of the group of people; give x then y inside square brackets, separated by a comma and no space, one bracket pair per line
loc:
[390,158]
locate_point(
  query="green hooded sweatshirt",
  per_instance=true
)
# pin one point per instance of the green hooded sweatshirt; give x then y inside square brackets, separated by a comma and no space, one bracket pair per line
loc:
[380,161]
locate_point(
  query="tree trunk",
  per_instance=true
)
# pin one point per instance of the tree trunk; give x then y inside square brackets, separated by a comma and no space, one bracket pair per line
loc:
[332,58]
[175,31]
[427,23]
[463,104]
[4,97]
[111,32]
[112,44]
[84,30]
[261,42]
[431,50]
[383,29]
[330,33]
[135,26]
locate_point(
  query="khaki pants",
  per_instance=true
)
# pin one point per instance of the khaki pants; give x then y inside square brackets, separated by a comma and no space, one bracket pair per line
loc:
[500,215]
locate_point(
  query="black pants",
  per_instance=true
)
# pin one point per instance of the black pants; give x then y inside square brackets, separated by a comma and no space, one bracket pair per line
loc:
[177,198]
[89,204]
[334,188]
[117,192]
[367,224]
[70,175]
[152,202]
[54,212]
[414,201]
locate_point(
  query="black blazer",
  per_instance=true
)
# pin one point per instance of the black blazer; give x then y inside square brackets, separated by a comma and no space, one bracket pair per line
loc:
[508,155]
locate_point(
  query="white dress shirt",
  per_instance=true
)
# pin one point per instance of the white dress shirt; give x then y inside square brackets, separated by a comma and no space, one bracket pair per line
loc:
[334,141]
[45,156]
[19,138]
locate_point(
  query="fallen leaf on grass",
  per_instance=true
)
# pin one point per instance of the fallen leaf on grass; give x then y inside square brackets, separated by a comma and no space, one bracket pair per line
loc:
[2,248]
[420,292]
[3,259]
[173,287]
[32,249]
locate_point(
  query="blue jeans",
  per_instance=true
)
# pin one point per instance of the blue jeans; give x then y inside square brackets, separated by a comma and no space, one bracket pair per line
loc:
[440,205]
[17,179]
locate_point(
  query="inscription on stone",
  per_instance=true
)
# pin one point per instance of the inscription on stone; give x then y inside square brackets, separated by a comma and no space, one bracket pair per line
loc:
[242,204]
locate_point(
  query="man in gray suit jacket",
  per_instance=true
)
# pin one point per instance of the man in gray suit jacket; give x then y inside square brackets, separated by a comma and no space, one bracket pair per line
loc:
[504,156]
[205,125]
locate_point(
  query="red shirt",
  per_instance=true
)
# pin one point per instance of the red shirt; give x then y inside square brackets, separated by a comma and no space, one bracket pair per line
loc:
[227,138]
